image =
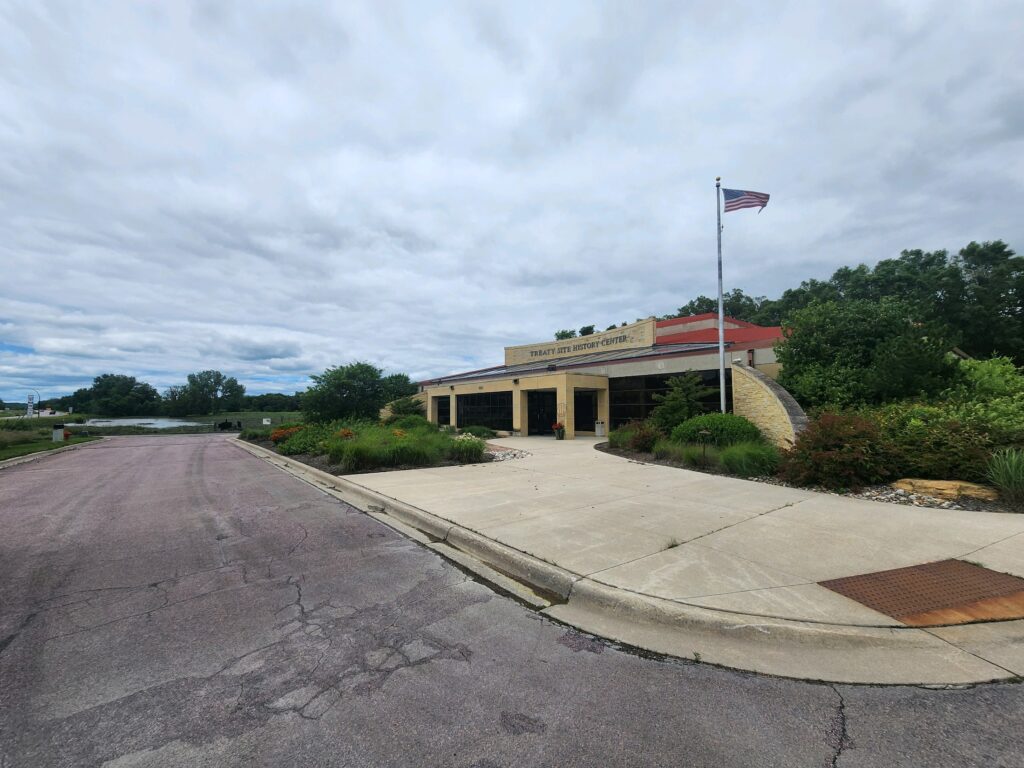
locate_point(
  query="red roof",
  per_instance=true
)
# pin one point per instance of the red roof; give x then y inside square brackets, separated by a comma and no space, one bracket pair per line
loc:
[747,333]
[699,318]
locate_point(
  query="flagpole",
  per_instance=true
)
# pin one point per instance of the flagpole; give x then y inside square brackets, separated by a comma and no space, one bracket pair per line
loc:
[721,305]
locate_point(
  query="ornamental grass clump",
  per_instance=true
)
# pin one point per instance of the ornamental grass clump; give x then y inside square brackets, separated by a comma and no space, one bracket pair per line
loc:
[718,429]
[666,450]
[750,459]
[466,450]
[700,456]
[1006,472]
[618,439]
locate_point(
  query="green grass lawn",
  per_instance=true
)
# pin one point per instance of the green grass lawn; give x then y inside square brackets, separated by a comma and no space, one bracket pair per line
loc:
[250,418]
[42,444]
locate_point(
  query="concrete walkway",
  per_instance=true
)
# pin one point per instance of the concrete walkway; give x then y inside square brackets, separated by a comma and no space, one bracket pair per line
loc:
[723,569]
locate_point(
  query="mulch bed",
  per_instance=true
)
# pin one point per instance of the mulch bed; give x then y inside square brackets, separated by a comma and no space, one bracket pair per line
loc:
[883,493]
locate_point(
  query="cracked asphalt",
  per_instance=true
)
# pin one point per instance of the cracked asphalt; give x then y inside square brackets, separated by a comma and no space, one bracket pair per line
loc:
[174,601]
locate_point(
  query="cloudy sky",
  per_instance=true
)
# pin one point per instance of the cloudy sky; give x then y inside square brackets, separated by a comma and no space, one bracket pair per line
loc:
[272,188]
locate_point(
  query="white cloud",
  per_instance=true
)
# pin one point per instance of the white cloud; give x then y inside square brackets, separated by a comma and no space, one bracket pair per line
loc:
[270,190]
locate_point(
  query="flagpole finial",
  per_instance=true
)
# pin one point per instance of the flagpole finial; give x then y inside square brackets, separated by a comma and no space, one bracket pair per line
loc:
[718,178]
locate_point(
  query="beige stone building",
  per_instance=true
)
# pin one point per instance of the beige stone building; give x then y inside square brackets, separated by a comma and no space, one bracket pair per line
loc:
[595,383]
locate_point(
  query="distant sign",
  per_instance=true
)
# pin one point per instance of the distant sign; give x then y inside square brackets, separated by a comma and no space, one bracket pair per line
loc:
[632,336]
[266,422]
[31,406]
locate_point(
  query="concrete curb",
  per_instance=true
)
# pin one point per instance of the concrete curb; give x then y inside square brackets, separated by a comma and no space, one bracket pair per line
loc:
[783,647]
[43,454]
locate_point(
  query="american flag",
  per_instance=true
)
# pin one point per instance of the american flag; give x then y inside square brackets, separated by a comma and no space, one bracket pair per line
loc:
[741,198]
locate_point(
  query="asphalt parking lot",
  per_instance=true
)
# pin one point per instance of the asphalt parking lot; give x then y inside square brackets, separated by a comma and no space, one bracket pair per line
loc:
[174,601]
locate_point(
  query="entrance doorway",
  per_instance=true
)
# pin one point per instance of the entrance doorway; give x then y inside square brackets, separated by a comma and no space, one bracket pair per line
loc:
[542,411]
[585,409]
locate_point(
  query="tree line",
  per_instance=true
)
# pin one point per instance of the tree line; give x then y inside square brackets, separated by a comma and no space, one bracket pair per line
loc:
[203,393]
[354,390]
[974,299]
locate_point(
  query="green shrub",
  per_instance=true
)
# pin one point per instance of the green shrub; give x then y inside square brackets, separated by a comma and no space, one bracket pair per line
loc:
[643,437]
[928,441]
[682,401]
[718,429]
[308,439]
[466,450]
[411,422]
[750,459]
[382,447]
[477,431]
[16,437]
[405,406]
[1006,471]
[838,451]
[260,435]
[700,456]
[619,438]
[666,450]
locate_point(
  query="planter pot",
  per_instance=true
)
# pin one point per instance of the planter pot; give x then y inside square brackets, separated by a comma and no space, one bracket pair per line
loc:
[559,434]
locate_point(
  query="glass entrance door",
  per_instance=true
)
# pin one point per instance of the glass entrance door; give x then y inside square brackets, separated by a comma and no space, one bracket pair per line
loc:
[585,409]
[541,411]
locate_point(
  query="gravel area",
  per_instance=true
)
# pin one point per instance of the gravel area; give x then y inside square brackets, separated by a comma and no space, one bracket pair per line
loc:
[502,453]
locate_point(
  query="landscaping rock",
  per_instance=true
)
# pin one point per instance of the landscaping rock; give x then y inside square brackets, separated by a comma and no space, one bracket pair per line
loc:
[951,490]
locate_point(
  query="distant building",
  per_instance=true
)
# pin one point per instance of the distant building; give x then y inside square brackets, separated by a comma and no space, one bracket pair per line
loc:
[608,377]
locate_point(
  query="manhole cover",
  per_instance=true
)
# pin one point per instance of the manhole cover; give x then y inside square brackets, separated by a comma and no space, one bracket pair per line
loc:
[946,592]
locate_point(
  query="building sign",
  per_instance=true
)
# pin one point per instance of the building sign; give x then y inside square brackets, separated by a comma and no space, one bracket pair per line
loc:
[633,336]
[30,407]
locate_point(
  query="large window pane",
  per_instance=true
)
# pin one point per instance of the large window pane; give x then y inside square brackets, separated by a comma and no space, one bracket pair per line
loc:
[487,409]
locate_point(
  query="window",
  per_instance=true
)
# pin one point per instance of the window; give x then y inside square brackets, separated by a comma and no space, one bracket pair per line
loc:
[487,409]
[631,398]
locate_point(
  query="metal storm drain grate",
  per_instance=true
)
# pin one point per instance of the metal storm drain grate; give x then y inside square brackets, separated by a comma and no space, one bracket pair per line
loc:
[946,592]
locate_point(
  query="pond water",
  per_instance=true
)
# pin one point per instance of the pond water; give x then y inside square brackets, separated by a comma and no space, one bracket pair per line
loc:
[152,423]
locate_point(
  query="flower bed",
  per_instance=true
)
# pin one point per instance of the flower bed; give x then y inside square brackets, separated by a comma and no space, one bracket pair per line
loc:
[352,447]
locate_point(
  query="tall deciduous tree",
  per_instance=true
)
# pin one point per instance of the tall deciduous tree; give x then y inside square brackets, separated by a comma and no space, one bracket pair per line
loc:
[113,394]
[357,390]
[844,353]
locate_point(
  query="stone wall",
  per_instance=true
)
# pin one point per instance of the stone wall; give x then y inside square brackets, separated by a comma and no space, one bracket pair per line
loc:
[757,397]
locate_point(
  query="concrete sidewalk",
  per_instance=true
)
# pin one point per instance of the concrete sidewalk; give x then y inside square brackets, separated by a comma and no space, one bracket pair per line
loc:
[717,568]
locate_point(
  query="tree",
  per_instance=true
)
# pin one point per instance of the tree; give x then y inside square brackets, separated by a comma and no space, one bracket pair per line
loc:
[993,285]
[736,304]
[396,386]
[843,353]
[204,393]
[176,401]
[611,327]
[565,334]
[406,406]
[683,401]
[232,395]
[349,391]
[587,330]
[113,394]
[271,401]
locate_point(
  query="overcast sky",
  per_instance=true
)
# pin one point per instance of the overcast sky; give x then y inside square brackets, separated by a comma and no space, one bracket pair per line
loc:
[272,188]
